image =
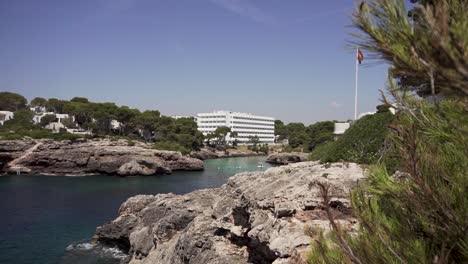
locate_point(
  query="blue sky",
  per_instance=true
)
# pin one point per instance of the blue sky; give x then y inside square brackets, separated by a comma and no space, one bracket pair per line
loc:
[286,59]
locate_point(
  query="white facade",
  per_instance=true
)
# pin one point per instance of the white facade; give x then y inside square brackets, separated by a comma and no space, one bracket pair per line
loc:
[178,117]
[37,109]
[55,126]
[5,116]
[340,128]
[115,124]
[60,117]
[246,125]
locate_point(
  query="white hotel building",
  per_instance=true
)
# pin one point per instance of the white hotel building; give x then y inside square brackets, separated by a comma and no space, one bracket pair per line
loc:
[246,125]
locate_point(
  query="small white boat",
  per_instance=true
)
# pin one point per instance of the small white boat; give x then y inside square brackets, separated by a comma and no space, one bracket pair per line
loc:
[260,165]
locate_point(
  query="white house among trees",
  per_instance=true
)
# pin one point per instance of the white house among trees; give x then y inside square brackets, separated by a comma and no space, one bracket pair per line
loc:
[5,116]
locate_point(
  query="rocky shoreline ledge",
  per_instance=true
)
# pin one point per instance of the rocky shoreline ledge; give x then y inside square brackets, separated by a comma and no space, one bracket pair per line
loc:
[87,157]
[83,157]
[211,153]
[256,217]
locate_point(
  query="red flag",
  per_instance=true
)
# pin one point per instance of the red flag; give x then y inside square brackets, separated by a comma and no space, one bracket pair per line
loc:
[360,56]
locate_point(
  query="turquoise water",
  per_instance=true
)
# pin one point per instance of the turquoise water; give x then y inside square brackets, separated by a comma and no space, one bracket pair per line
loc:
[43,215]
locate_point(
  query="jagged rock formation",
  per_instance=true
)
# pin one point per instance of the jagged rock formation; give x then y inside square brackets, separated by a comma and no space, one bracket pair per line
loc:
[91,157]
[257,217]
[211,153]
[285,158]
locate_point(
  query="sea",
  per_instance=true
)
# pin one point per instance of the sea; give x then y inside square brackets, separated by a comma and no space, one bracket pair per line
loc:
[51,219]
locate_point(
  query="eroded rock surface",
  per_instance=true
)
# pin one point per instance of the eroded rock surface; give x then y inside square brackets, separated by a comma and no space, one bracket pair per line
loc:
[256,217]
[91,157]
[285,158]
[13,149]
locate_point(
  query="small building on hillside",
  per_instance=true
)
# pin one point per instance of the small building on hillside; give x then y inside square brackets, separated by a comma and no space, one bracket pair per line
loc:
[60,117]
[5,116]
[340,128]
[115,124]
[37,118]
[38,109]
[55,126]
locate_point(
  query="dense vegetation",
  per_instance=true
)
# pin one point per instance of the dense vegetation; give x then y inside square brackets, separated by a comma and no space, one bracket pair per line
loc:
[420,215]
[363,142]
[150,126]
[218,139]
[305,138]
[12,102]
[22,126]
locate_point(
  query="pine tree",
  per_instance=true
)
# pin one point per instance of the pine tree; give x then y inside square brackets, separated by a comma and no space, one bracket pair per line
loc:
[419,215]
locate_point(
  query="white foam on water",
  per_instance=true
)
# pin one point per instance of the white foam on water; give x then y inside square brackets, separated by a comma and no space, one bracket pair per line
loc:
[82,246]
[115,252]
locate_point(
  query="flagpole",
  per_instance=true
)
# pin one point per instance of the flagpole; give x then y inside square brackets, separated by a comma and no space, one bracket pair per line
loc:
[356,85]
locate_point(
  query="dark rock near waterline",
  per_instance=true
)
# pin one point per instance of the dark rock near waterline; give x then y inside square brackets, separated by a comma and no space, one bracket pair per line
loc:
[285,158]
[212,153]
[256,217]
[91,157]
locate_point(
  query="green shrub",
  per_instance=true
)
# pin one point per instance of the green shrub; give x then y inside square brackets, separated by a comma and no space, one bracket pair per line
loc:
[362,142]
[64,136]
[173,146]
[422,215]
[290,149]
[324,150]
[10,136]
[36,133]
[263,148]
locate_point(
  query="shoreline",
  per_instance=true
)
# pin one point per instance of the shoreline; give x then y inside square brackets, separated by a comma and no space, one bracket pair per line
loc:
[246,156]
[83,158]
[119,176]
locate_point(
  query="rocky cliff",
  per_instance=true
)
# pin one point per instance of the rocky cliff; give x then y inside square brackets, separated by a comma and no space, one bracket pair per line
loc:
[257,217]
[285,158]
[90,157]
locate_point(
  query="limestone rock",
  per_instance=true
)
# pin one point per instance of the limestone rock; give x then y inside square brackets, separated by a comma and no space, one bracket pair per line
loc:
[256,217]
[91,157]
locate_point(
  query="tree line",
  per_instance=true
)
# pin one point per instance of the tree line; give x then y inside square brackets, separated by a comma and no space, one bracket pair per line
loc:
[306,138]
[176,134]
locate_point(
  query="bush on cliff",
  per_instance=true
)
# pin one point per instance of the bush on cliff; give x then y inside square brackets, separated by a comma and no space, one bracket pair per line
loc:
[420,216]
[361,143]
[173,146]
[304,138]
